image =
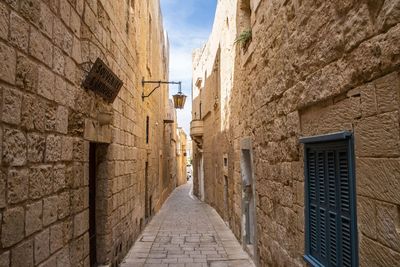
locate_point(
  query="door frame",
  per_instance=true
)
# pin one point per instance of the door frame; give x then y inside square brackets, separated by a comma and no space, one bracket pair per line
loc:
[248,180]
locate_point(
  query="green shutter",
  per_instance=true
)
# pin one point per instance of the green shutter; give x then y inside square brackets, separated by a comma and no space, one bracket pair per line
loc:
[331,235]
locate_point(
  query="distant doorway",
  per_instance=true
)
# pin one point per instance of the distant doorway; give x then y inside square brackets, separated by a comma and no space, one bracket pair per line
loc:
[147,203]
[92,203]
[226,198]
[98,186]
[201,177]
[248,198]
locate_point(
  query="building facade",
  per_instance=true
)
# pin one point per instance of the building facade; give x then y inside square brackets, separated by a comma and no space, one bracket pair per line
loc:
[80,174]
[297,144]
[181,156]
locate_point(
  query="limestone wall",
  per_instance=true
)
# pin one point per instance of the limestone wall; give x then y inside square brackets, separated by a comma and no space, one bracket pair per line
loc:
[314,67]
[212,83]
[181,157]
[48,122]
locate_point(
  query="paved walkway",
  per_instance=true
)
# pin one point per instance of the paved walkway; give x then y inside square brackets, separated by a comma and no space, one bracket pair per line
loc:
[188,233]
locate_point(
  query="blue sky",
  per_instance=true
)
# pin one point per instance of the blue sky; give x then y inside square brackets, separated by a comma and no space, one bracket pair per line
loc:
[188,23]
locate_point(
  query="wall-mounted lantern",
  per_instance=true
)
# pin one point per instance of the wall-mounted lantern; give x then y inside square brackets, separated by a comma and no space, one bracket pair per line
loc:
[179,98]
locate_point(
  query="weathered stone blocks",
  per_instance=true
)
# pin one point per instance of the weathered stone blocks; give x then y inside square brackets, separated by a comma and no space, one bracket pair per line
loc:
[389,15]
[62,37]
[64,205]
[63,258]
[56,237]
[33,114]
[46,19]
[8,60]
[77,249]
[80,149]
[46,83]
[17,185]
[44,157]
[387,92]
[36,147]
[22,255]
[81,223]
[78,200]
[67,148]
[50,210]
[75,23]
[65,11]
[53,148]
[58,61]
[54,6]
[388,232]
[59,182]
[374,254]
[40,181]
[76,50]
[14,147]
[61,94]
[31,10]
[40,47]
[11,107]
[368,100]
[50,112]
[62,120]
[26,74]
[12,229]
[70,70]
[378,136]
[2,190]
[4,22]
[52,261]
[42,246]
[33,217]
[377,178]
[328,117]
[19,32]
[366,214]
[5,258]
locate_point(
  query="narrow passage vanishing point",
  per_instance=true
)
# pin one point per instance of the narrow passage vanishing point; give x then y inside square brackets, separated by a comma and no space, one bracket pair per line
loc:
[186,232]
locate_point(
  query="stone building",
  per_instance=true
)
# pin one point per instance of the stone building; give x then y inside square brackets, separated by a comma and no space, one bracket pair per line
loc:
[181,156]
[295,129]
[80,174]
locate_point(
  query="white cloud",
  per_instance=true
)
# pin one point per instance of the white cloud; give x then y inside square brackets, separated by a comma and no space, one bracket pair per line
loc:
[184,36]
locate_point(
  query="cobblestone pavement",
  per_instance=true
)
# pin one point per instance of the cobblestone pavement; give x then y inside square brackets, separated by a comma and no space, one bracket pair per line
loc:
[189,233]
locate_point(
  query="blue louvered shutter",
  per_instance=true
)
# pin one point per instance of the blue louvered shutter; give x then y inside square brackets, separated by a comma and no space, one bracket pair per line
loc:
[330,204]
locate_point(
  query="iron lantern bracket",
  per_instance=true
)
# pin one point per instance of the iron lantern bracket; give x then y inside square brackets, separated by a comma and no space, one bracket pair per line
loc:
[158,86]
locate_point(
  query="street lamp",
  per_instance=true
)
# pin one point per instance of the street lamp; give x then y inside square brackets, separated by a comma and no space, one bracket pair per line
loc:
[179,98]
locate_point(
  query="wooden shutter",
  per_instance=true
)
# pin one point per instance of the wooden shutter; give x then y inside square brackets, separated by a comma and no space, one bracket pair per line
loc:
[330,204]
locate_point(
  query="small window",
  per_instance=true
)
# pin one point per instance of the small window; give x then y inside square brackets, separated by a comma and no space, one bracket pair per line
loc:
[330,219]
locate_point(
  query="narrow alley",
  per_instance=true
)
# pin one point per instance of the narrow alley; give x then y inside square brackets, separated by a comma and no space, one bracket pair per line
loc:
[208,133]
[186,232]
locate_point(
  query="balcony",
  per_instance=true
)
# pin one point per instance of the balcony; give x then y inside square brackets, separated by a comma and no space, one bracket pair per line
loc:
[196,129]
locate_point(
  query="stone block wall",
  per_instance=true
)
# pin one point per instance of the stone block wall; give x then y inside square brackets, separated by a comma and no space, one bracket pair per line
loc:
[181,157]
[48,123]
[317,68]
[311,68]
